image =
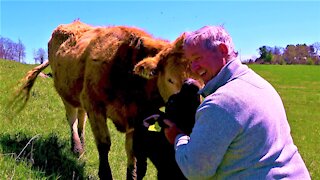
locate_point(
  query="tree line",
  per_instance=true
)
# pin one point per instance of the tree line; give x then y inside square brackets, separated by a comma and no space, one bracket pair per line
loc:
[292,54]
[11,50]
[15,51]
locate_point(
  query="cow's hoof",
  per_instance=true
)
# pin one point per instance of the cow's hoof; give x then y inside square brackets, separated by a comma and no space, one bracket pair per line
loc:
[78,152]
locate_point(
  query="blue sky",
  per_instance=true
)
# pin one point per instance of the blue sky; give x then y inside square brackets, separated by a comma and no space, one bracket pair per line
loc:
[252,24]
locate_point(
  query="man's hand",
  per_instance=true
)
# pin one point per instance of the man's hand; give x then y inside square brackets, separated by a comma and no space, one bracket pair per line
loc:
[171,131]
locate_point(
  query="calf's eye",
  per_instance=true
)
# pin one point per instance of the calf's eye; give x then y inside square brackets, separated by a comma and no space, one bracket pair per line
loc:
[170,81]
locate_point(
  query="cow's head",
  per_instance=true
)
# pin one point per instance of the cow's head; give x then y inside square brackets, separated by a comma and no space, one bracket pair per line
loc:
[169,66]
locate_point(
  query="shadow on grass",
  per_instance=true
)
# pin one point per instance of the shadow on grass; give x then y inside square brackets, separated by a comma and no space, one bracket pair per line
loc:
[47,154]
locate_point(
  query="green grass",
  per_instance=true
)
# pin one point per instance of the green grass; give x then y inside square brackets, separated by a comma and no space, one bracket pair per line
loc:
[299,88]
[48,155]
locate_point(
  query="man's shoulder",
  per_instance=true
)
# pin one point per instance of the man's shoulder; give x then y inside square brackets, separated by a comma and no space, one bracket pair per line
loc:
[224,98]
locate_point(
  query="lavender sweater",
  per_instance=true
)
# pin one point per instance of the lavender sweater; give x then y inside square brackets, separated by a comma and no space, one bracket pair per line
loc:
[241,132]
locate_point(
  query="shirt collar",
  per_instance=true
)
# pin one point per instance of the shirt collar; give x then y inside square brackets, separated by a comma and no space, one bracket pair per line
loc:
[232,70]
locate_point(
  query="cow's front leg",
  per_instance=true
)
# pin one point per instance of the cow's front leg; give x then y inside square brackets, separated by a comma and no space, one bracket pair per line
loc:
[100,130]
[139,152]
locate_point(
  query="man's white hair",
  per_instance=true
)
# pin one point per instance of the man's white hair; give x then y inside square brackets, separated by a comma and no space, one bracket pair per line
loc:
[209,38]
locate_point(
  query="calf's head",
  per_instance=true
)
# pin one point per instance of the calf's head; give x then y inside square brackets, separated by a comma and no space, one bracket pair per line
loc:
[180,108]
[170,67]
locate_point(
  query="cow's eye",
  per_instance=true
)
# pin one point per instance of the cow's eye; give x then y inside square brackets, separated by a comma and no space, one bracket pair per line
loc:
[170,81]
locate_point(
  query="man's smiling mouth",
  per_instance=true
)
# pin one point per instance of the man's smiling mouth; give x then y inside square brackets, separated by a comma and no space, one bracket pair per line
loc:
[203,72]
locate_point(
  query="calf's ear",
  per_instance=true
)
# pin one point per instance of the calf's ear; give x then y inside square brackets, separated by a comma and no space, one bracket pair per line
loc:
[146,68]
[178,43]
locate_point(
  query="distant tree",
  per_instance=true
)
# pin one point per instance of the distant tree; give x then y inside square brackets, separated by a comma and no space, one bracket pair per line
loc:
[314,51]
[277,50]
[303,53]
[316,48]
[7,48]
[21,51]
[11,50]
[289,54]
[265,54]
[297,54]
[40,55]
[278,59]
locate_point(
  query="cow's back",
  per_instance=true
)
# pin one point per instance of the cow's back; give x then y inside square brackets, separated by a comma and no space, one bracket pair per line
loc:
[65,49]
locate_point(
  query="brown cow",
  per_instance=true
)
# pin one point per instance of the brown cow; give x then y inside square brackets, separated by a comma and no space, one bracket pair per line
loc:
[93,72]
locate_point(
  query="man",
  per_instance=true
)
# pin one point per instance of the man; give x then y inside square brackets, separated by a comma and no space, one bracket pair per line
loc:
[241,129]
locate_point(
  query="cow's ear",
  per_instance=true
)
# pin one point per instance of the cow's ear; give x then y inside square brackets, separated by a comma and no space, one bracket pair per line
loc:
[178,43]
[146,68]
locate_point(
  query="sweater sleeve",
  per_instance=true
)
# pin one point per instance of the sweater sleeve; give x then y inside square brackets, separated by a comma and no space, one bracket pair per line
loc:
[199,155]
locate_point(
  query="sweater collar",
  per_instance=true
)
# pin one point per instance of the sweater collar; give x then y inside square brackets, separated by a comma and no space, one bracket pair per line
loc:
[232,70]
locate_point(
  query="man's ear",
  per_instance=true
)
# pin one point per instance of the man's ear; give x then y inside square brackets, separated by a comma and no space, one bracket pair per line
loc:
[223,49]
[146,68]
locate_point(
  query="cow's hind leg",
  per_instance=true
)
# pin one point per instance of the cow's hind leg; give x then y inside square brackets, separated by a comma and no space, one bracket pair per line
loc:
[72,116]
[82,117]
[97,119]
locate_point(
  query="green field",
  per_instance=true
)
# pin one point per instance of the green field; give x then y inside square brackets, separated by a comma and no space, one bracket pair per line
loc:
[43,126]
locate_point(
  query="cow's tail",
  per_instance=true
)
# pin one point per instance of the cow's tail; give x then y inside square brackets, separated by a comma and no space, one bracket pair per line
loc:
[21,96]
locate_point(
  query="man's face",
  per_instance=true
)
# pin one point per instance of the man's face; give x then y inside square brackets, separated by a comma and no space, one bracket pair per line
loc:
[205,63]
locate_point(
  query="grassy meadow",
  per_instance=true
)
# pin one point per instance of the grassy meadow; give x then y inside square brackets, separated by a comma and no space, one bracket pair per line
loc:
[36,143]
